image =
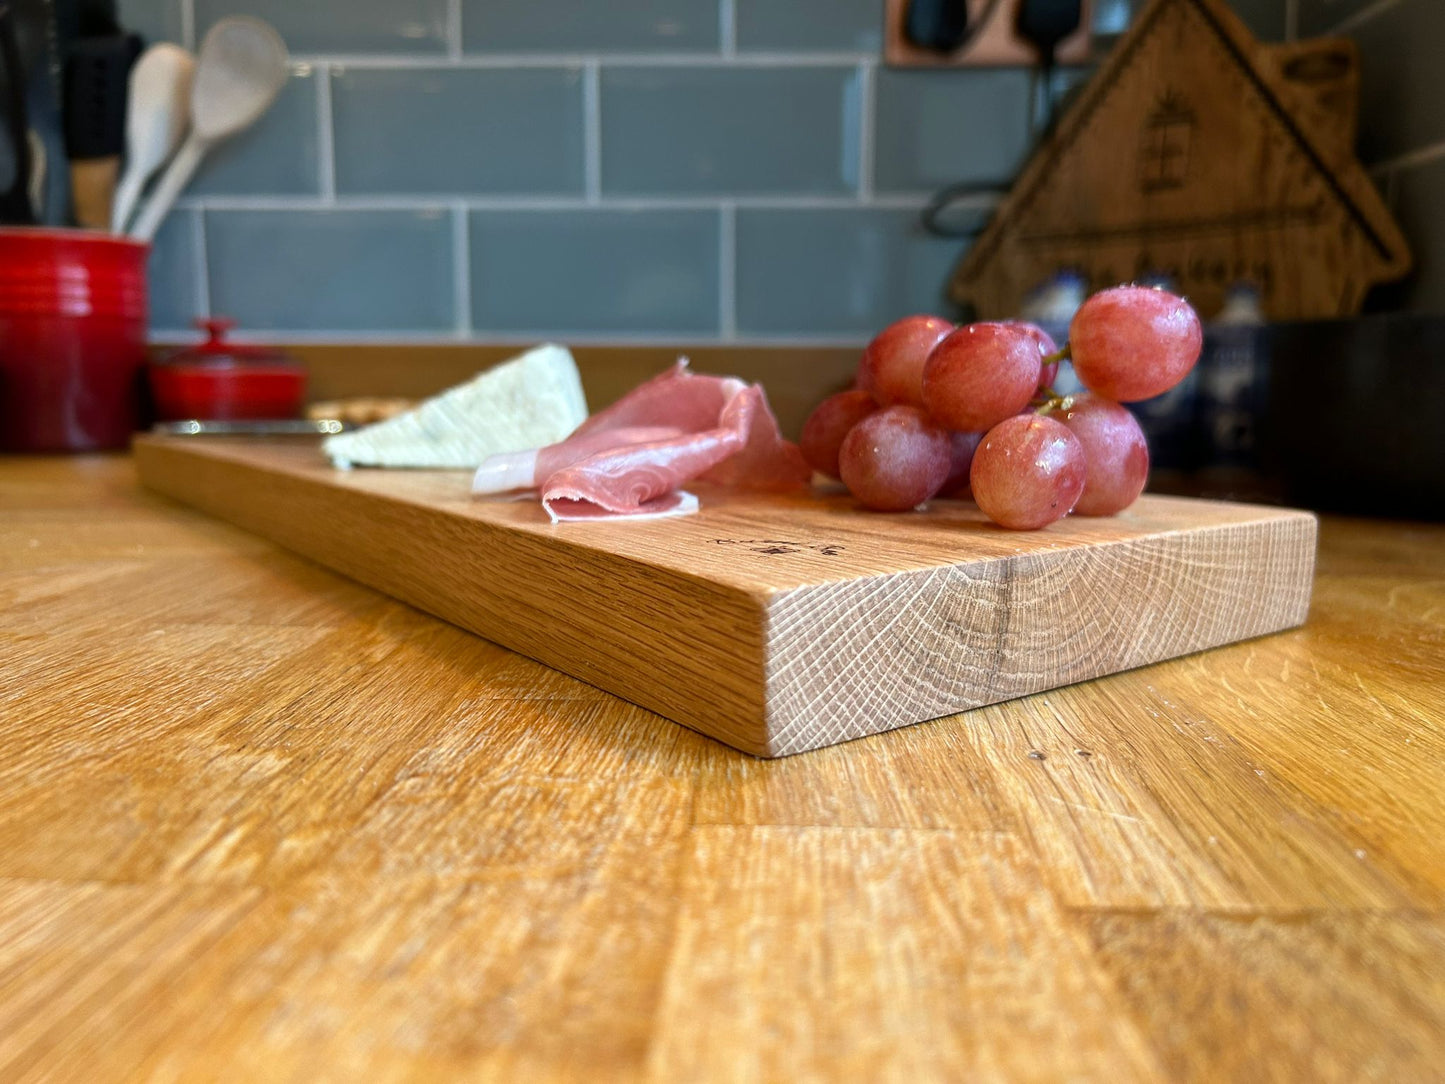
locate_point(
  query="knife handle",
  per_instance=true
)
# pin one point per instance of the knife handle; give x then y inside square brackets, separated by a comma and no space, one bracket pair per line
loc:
[92,190]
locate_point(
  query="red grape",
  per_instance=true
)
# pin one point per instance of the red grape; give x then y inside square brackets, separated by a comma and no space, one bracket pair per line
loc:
[829,423]
[1115,452]
[1028,472]
[1134,342]
[892,365]
[894,459]
[1047,346]
[962,447]
[980,375]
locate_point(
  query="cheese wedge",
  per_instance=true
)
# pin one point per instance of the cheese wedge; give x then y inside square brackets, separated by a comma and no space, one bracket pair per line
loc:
[529,401]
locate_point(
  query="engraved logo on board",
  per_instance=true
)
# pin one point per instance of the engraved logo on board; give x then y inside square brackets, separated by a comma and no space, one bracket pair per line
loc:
[774,547]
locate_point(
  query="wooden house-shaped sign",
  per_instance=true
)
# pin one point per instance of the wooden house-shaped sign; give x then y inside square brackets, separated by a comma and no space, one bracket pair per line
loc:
[1199,154]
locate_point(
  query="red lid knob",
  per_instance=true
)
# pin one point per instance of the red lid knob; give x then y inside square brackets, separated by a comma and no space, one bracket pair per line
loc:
[215,328]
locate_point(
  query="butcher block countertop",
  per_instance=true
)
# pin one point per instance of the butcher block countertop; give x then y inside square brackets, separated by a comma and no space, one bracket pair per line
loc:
[259,822]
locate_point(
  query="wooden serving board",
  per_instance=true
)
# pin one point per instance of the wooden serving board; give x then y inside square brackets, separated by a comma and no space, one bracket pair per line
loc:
[774,624]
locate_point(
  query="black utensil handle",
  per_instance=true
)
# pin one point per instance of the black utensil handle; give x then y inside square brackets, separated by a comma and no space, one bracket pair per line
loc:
[15,206]
[96,80]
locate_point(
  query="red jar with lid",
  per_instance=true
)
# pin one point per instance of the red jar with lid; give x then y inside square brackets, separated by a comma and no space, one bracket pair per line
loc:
[220,380]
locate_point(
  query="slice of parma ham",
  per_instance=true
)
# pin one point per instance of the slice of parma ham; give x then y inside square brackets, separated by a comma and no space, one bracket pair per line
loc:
[633,458]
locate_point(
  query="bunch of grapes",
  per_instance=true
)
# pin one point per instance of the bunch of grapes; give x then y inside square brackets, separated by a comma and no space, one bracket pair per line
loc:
[939,410]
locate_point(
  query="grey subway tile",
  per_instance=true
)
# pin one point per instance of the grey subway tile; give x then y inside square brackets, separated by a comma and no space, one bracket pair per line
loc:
[734,131]
[1322,16]
[276,156]
[595,271]
[1401,106]
[1421,214]
[1109,18]
[153,20]
[340,270]
[458,130]
[341,26]
[934,128]
[1068,83]
[567,25]
[802,25]
[840,271]
[1265,18]
[172,288]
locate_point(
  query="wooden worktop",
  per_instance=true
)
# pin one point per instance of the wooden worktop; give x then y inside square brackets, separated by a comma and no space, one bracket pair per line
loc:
[258,822]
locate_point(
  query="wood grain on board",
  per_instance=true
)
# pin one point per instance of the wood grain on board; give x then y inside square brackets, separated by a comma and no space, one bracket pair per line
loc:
[258,821]
[775,624]
[1197,153]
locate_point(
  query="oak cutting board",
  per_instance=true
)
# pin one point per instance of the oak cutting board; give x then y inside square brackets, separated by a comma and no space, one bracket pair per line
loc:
[774,624]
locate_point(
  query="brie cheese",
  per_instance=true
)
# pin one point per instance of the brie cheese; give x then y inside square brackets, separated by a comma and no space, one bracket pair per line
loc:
[527,402]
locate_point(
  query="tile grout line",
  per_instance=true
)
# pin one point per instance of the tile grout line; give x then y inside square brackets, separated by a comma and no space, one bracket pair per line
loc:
[325,136]
[727,261]
[188,24]
[727,15]
[454,30]
[866,111]
[200,265]
[893,201]
[592,131]
[432,61]
[462,271]
[1362,16]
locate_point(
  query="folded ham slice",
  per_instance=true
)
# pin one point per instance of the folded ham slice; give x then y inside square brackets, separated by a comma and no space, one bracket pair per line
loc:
[632,458]
[677,396]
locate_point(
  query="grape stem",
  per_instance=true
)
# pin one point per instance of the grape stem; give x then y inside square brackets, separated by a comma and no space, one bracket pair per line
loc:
[1049,400]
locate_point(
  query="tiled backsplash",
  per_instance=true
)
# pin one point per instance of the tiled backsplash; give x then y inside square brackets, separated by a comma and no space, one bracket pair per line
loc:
[669,170]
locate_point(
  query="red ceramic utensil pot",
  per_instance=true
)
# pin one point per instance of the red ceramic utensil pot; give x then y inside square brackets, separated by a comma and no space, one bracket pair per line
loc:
[72,339]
